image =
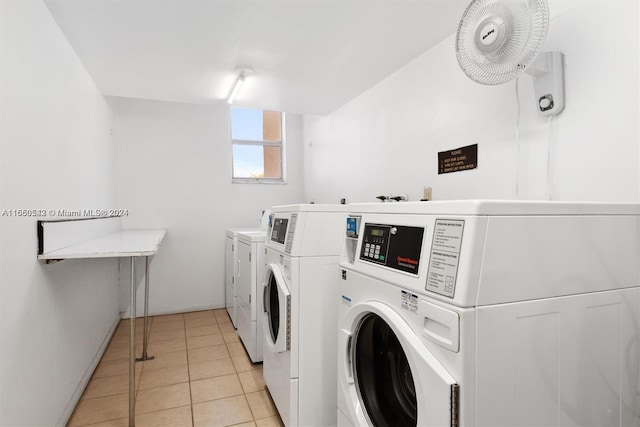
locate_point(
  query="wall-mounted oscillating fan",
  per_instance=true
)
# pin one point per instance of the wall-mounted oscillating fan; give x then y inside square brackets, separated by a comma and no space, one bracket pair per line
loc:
[498,39]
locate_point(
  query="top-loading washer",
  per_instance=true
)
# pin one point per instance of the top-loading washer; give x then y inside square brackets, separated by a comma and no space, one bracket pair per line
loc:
[490,313]
[249,291]
[231,263]
[300,287]
[231,270]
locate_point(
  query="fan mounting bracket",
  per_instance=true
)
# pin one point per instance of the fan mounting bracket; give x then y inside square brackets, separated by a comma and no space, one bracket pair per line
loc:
[548,82]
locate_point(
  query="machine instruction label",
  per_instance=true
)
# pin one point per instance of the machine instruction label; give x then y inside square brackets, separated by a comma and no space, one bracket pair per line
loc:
[409,301]
[290,231]
[445,255]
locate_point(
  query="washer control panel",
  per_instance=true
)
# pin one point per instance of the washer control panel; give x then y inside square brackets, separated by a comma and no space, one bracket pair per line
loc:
[279,230]
[395,246]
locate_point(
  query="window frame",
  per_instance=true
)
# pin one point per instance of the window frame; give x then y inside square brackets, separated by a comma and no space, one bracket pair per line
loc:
[261,143]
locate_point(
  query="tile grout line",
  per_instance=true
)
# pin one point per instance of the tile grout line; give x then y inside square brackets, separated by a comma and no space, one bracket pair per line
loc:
[141,373]
[186,345]
[244,392]
[92,379]
[227,346]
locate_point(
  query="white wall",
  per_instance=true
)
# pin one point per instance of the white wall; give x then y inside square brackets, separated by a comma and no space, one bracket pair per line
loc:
[174,172]
[387,140]
[55,153]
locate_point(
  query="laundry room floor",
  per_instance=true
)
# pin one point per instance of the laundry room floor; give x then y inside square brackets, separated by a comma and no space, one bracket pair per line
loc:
[201,376]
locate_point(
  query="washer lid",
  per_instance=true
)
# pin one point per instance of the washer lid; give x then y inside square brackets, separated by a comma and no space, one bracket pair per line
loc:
[252,236]
[310,207]
[233,232]
[497,208]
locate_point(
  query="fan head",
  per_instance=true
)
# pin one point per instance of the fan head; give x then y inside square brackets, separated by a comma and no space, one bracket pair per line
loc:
[498,39]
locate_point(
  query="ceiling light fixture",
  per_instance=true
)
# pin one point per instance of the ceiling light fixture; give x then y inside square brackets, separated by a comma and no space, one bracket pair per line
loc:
[237,86]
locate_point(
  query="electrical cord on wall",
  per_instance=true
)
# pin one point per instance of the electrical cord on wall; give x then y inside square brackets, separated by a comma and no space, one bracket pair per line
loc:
[550,156]
[518,139]
[551,133]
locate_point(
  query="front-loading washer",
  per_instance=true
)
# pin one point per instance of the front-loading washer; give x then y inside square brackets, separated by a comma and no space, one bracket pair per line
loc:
[300,286]
[489,313]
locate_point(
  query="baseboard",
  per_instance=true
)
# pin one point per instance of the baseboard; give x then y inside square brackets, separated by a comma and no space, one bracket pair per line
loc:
[174,310]
[68,410]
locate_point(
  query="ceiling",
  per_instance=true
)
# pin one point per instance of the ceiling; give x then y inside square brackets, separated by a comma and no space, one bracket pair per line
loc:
[307,56]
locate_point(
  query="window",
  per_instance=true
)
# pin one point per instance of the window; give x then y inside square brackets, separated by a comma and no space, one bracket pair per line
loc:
[257,138]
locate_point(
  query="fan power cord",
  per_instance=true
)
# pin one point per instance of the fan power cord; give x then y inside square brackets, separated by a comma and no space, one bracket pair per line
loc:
[550,156]
[518,139]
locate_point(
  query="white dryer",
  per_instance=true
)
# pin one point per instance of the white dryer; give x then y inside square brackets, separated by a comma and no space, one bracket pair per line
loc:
[231,270]
[231,263]
[300,287]
[249,291]
[487,313]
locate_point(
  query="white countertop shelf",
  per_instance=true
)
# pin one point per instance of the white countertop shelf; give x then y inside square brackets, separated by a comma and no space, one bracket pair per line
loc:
[121,243]
[102,237]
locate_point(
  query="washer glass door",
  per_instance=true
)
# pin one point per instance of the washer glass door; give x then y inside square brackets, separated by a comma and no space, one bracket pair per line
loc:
[277,309]
[397,380]
[383,375]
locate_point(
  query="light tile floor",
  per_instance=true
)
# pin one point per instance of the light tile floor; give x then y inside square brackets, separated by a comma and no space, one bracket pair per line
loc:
[201,376]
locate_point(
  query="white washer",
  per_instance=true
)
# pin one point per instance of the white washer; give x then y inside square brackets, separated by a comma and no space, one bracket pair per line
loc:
[231,270]
[231,263]
[300,287]
[249,297]
[487,313]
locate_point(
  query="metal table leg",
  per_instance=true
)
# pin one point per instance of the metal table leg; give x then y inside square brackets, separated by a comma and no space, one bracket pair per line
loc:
[146,313]
[132,348]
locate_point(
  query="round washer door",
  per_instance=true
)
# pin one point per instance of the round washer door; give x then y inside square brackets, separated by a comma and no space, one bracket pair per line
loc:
[382,374]
[392,377]
[277,310]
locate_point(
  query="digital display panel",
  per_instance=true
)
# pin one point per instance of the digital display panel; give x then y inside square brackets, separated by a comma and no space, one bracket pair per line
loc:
[377,232]
[279,232]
